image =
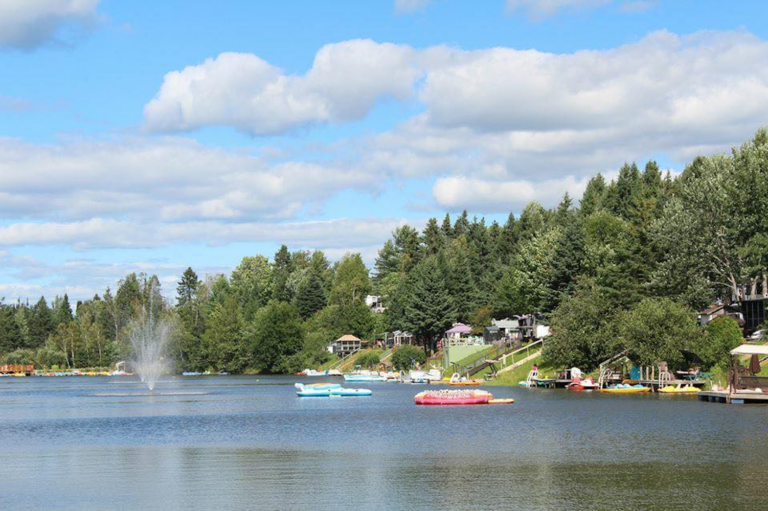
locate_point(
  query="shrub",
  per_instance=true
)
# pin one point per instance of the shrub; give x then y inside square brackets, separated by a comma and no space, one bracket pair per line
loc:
[370,359]
[723,334]
[406,356]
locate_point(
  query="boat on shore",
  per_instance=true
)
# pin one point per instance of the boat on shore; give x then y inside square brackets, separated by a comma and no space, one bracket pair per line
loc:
[458,381]
[578,384]
[680,389]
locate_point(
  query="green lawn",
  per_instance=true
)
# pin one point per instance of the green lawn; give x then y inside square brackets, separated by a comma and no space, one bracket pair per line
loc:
[516,375]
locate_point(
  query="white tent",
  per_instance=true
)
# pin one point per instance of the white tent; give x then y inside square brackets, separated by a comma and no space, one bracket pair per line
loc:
[750,349]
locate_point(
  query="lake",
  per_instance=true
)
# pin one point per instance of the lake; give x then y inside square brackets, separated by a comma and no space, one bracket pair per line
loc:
[249,442]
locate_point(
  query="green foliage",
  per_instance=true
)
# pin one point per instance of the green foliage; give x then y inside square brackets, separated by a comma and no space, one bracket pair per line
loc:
[20,356]
[310,296]
[351,283]
[277,335]
[224,346]
[369,360]
[658,329]
[722,335]
[583,329]
[252,283]
[429,309]
[405,357]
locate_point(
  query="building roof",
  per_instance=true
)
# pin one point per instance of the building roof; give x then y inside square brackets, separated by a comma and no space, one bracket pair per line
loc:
[750,349]
[347,337]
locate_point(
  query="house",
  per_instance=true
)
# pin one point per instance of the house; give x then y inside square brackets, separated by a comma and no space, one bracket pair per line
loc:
[375,303]
[398,338]
[719,310]
[507,330]
[346,344]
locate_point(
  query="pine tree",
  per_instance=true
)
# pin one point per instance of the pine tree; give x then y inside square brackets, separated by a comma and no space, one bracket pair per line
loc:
[283,268]
[310,296]
[41,324]
[429,309]
[186,288]
[224,341]
[432,239]
[446,228]
[593,196]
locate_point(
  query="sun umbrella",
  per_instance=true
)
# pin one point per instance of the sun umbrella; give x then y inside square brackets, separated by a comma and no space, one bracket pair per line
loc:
[754,364]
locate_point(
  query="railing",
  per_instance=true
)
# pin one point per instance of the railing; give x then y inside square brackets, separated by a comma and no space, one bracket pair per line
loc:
[503,360]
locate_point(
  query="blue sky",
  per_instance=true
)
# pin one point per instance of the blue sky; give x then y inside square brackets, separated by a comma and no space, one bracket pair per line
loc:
[149,136]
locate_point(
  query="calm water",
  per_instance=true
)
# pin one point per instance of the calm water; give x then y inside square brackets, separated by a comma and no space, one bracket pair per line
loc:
[86,443]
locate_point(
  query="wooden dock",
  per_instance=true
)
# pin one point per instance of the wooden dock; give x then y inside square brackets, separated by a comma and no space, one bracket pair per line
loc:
[742,398]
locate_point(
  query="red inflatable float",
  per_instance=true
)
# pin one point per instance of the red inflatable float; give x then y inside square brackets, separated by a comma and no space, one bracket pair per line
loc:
[453,397]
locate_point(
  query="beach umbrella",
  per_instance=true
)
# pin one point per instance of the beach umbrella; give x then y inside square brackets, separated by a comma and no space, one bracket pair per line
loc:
[754,364]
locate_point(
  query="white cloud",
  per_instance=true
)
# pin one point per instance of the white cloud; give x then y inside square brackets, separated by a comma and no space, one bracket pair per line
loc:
[457,193]
[242,90]
[541,9]
[170,179]
[408,6]
[28,24]
[109,233]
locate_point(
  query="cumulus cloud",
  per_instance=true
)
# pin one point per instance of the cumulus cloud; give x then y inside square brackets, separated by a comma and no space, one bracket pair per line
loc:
[109,233]
[244,91]
[27,24]
[457,193]
[171,179]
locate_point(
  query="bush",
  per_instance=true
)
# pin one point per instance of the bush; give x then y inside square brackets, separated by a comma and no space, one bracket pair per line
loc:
[659,329]
[370,359]
[723,334]
[406,356]
[20,356]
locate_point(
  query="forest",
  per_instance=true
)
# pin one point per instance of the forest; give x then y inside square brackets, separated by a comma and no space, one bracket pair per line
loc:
[625,268]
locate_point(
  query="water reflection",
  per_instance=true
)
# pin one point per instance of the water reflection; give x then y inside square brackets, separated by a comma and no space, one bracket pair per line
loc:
[258,446]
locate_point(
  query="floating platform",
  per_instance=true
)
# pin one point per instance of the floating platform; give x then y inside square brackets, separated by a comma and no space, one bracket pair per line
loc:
[719,396]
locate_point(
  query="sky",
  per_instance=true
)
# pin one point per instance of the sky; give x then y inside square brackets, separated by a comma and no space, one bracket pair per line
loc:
[152,136]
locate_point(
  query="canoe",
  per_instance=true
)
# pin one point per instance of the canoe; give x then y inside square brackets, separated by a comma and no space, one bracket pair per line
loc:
[672,389]
[501,401]
[638,389]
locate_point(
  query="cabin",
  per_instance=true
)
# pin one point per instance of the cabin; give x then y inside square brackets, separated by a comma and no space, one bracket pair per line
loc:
[506,331]
[375,304]
[346,345]
[718,310]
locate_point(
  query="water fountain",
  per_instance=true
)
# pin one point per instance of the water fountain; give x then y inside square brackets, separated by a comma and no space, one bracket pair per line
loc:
[149,336]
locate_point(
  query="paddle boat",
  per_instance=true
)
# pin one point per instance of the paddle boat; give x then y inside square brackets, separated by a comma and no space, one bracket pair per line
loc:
[625,388]
[329,390]
[459,381]
[318,386]
[679,389]
[578,384]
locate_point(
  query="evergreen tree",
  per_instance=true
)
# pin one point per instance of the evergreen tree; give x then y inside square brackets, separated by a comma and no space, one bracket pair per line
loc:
[593,197]
[429,310]
[310,296]
[253,283]
[62,310]
[446,229]
[283,269]
[187,287]
[277,336]
[432,239]
[41,324]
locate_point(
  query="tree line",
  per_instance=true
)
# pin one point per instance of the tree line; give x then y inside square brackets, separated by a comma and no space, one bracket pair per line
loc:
[624,269]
